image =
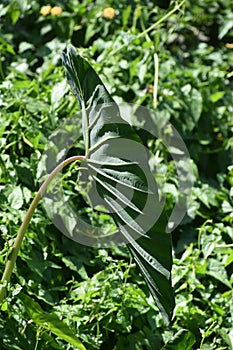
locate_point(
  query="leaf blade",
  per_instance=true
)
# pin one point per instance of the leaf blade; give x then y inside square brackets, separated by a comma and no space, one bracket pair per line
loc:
[116,159]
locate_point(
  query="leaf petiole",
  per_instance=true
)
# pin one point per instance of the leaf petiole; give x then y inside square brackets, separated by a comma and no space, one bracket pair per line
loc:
[11,259]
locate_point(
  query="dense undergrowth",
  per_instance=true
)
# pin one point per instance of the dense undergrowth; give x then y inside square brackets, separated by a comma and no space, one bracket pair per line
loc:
[98,293]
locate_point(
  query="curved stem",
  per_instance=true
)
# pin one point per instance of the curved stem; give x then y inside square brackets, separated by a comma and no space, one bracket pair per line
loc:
[15,249]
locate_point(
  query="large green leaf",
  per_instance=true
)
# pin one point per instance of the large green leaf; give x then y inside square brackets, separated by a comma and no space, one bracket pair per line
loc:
[117,166]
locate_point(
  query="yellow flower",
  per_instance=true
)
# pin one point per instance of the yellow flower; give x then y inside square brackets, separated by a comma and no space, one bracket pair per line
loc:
[56,10]
[229,45]
[45,10]
[109,12]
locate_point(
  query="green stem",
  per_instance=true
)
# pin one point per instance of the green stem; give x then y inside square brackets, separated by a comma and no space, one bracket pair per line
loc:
[1,70]
[15,249]
[156,78]
[224,245]
[153,26]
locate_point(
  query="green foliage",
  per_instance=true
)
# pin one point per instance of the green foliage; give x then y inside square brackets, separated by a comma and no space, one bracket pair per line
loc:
[50,322]
[99,294]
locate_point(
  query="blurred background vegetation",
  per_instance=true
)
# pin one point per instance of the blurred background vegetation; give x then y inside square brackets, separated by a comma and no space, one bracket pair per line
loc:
[98,293]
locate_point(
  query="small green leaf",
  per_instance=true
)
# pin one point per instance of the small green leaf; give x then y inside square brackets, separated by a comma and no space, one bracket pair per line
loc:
[229,259]
[50,322]
[226,25]
[15,15]
[196,104]
[183,339]
[58,92]
[125,15]
[217,96]
[216,269]
[16,198]
[4,306]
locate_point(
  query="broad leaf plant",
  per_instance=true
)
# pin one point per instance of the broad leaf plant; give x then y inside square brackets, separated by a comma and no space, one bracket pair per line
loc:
[117,166]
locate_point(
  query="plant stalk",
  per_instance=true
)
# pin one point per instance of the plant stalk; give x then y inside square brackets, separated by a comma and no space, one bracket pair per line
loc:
[156,79]
[11,260]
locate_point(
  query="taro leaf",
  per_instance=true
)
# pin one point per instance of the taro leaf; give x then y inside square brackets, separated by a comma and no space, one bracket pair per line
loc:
[117,164]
